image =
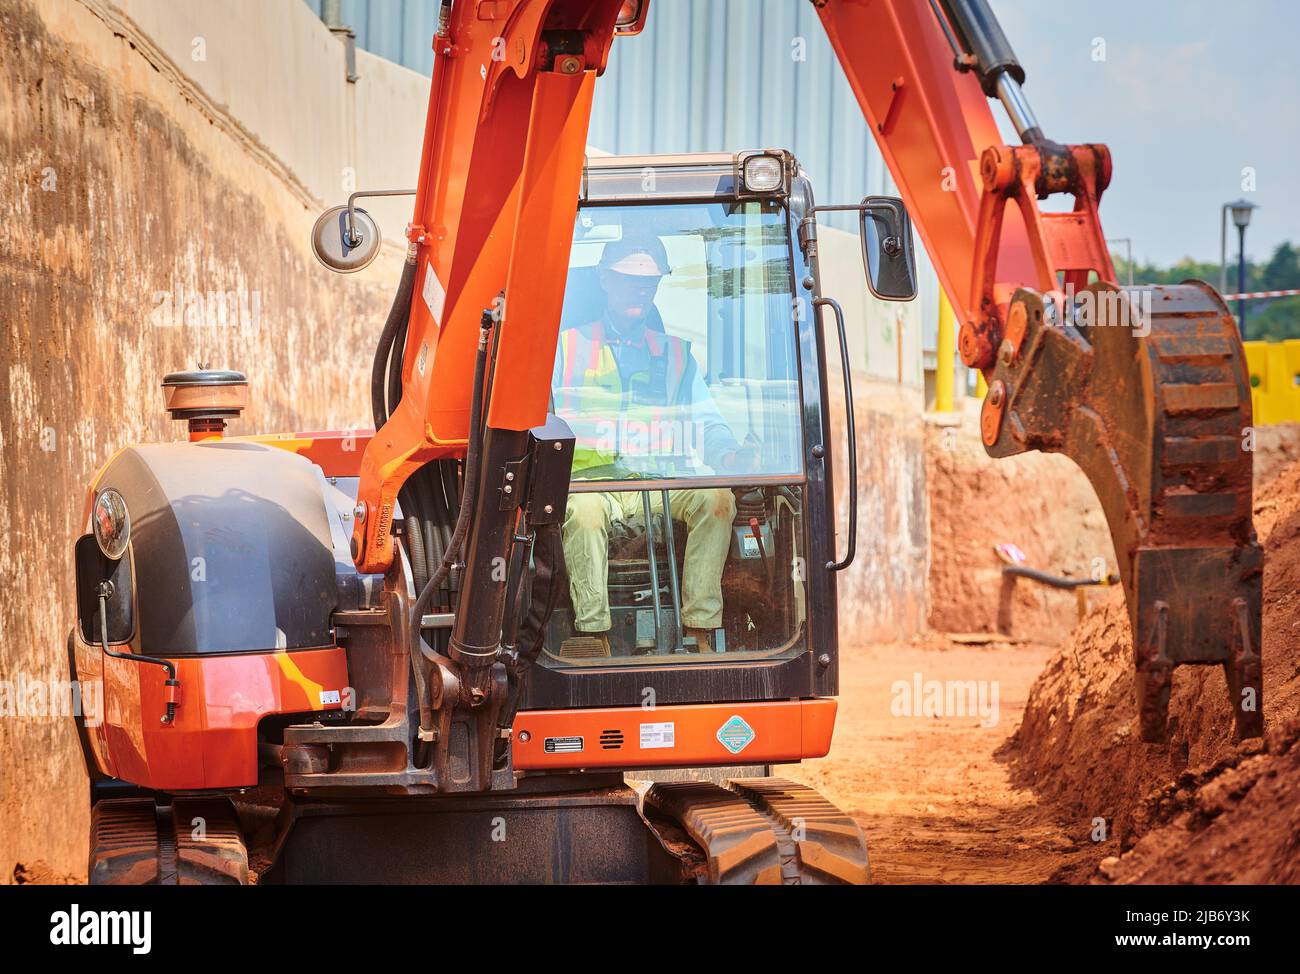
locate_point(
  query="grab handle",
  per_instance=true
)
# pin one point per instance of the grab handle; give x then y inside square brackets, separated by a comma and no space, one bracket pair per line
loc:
[839,566]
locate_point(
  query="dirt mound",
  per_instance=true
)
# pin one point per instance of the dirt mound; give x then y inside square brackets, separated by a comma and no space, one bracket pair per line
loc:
[1237,822]
[1276,447]
[1079,746]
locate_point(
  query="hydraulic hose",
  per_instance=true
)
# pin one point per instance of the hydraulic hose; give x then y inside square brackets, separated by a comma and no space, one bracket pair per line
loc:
[415,543]
[425,525]
[398,315]
[463,517]
[396,361]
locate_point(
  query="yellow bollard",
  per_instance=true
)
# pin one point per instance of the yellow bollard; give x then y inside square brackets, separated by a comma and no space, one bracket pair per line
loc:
[944,367]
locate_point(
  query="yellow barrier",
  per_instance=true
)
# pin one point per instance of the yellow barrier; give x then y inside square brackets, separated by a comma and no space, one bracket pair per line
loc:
[1274,381]
[945,362]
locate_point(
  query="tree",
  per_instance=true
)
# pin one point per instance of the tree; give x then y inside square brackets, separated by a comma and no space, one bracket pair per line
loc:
[1279,320]
[1273,319]
[1282,271]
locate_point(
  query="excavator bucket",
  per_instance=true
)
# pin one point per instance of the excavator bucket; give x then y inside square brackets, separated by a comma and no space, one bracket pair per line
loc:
[1159,418]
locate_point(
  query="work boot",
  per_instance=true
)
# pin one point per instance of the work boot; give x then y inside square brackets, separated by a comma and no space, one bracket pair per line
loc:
[703,639]
[585,645]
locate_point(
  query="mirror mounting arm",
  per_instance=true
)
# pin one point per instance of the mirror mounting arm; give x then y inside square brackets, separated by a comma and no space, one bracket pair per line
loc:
[172,685]
[808,235]
[354,238]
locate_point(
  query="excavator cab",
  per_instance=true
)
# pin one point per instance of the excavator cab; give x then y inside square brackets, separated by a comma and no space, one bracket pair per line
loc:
[699,539]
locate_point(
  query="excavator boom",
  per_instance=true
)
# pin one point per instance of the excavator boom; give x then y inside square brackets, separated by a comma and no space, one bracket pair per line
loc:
[1146,389]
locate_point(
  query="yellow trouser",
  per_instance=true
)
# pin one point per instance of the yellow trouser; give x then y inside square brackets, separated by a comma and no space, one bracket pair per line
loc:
[707,514]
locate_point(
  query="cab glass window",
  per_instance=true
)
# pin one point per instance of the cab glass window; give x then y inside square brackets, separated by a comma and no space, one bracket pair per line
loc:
[676,356]
[677,371]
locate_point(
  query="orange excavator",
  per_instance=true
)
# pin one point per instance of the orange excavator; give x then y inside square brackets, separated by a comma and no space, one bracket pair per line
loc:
[591,541]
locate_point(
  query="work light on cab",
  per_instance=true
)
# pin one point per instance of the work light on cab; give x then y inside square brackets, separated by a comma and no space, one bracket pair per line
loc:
[762,174]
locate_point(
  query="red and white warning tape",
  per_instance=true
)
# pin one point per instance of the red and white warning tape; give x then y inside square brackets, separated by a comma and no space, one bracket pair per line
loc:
[1262,294]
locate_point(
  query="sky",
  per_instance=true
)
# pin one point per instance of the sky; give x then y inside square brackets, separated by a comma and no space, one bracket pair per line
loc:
[1188,95]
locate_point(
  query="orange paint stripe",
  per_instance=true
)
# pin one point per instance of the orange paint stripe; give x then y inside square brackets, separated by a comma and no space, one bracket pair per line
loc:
[694,735]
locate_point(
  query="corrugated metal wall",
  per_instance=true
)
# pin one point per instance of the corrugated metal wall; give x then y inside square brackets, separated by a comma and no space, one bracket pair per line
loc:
[720,75]
[399,30]
[705,75]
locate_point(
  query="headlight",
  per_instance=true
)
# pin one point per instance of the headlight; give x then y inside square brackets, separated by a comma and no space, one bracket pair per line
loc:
[112,523]
[631,17]
[762,174]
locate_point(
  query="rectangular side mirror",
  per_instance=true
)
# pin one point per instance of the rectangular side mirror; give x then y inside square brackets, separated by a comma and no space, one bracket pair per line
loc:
[93,568]
[887,250]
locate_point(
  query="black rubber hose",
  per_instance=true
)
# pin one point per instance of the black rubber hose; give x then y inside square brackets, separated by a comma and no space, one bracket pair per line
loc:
[463,517]
[415,496]
[415,546]
[429,515]
[450,493]
[1056,581]
[396,362]
[471,480]
[397,318]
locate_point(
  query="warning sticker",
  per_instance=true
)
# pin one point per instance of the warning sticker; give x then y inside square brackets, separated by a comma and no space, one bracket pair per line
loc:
[658,735]
[735,734]
[328,697]
[435,295]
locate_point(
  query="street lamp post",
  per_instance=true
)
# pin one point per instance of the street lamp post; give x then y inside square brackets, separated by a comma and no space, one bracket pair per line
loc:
[1241,211]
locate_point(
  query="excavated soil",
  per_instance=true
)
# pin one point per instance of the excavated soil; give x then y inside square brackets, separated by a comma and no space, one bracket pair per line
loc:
[1202,808]
[944,799]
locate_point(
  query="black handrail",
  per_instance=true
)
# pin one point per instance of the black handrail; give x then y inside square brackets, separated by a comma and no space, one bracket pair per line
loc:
[838,566]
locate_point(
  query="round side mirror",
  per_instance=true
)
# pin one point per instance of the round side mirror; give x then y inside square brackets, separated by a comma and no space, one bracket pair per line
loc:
[345,248]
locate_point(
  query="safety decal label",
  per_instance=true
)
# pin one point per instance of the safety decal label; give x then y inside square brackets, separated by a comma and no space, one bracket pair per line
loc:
[658,735]
[735,734]
[328,697]
[435,295]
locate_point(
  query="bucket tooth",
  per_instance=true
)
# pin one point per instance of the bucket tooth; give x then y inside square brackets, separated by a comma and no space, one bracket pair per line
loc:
[1245,674]
[1155,673]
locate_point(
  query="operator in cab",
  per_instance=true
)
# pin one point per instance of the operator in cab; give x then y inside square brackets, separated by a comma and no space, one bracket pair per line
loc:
[640,409]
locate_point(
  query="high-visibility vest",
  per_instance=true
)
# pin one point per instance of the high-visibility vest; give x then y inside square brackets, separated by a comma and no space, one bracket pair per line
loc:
[590,392]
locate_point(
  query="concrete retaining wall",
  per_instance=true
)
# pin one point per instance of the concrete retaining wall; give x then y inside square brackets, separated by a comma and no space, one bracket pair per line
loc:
[148,228]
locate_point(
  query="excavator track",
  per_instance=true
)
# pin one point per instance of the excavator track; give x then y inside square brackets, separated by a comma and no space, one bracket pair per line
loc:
[191,842]
[763,831]
[1159,418]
